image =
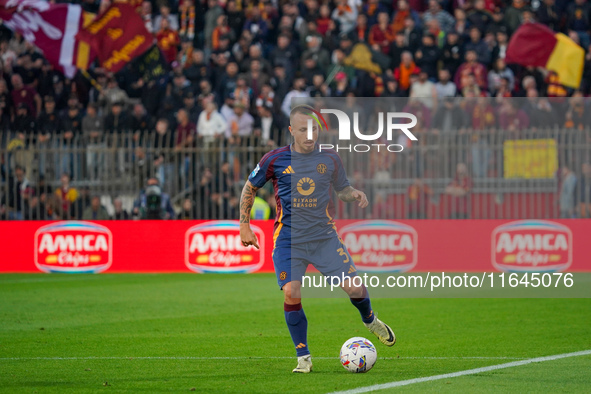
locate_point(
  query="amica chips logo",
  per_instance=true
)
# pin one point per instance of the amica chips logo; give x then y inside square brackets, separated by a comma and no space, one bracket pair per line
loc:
[381,245]
[532,246]
[216,247]
[73,247]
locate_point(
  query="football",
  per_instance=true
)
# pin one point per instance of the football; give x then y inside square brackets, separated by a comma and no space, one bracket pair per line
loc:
[358,354]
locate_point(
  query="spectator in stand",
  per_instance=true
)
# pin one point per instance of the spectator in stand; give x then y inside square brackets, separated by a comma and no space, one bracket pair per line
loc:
[24,122]
[267,127]
[540,112]
[146,13]
[471,68]
[449,117]
[476,44]
[117,121]
[165,15]
[222,191]
[285,54]
[163,144]
[314,50]
[418,195]
[513,15]
[298,91]
[459,191]
[445,87]
[480,17]
[396,49]
[427,56]
[504,89]
[496,75]
[403,11]
[17,192]
[240,123]
[120,213]
[412,34]
[577,116]
[372,10]
[96,211]
[578,16]
[500,49]
[67,196]
[140,121]
[345,15]
[381,208]
[511,118]
[452,52]
[202,195]
[380,34]
[211,124]
[168,41]
[26,95]
[566,199]
[221,30]
[71,127]
[546,14]
[362,29]
[424,91]
[256,25]
[188,210]
[584,192]
[112,94]
[92,129]
[446,21]
[405,70]
[323,20]
[186,137]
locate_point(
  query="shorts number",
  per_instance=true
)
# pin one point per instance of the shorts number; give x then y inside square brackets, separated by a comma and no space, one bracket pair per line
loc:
[343,253]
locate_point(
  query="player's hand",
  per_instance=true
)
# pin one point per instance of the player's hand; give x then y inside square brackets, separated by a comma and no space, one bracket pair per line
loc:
[247,237]
[361,197]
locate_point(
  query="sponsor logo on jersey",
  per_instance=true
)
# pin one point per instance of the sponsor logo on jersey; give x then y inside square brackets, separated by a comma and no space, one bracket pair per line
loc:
[532,246]
[381,245]
[306,186]
[216,247]
[73,247]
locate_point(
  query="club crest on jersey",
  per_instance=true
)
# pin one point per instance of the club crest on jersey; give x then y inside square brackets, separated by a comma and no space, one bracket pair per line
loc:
[321,168]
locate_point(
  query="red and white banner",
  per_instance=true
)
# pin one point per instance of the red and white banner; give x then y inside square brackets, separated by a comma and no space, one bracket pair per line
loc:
[375,246]
[52,28]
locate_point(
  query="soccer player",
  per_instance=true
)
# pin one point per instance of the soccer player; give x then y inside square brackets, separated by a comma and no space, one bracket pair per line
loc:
[303,176]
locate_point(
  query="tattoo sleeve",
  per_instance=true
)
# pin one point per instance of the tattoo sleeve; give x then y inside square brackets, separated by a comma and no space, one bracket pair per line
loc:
[345,194]
[249,192]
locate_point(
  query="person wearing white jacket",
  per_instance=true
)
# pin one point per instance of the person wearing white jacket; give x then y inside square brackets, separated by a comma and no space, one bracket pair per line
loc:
[211,124]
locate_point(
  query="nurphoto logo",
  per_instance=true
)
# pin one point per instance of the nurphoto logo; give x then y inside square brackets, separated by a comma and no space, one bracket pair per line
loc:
[392,119]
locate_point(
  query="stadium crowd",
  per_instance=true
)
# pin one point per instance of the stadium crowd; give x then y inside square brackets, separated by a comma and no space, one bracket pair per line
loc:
[235,65]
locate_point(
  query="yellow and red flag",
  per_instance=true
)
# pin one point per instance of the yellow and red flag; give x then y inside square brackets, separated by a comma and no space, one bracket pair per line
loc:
[117,36]
[534,44]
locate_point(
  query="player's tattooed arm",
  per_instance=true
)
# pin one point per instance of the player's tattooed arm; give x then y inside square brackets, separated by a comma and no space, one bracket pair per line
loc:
[247,236]
[249,192]
[350,194]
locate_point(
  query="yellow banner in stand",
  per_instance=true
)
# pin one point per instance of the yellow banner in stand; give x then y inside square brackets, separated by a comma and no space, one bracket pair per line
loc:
[530,159]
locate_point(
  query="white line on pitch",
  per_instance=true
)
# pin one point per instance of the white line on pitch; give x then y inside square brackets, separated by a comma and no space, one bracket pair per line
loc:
[241,358]
[390,385]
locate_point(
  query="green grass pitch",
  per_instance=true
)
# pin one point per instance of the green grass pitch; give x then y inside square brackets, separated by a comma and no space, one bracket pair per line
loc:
[226,333]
